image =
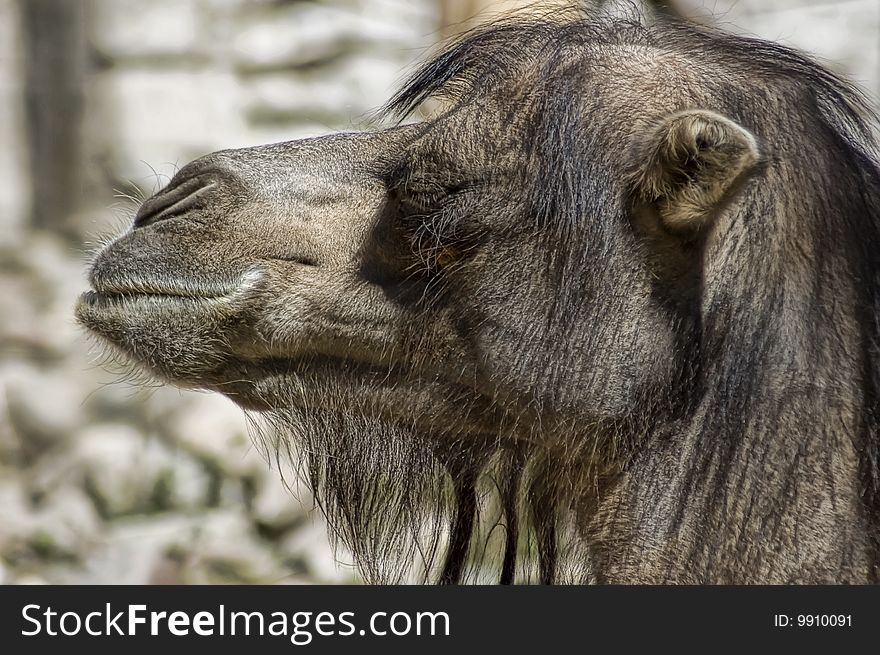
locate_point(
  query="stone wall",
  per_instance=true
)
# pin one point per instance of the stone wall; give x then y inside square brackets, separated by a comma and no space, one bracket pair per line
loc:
[190,77]
[843,33]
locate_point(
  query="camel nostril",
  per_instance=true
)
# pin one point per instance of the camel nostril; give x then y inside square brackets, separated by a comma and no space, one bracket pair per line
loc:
[175,200]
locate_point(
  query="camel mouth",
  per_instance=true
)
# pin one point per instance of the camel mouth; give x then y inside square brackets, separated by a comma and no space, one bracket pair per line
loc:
[120,294]
[131,289]
[121,288]
[125,297]
[95,310]
[93,298]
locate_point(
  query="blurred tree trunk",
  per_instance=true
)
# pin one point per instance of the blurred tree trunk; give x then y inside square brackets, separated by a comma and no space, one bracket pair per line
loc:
[456,15]
[54,44]
[459,15]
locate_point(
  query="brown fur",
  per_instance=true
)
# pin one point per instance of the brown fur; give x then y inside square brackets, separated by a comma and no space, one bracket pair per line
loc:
[610,316]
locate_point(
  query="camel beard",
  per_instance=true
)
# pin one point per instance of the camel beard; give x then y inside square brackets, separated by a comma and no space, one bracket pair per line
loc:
[413,507]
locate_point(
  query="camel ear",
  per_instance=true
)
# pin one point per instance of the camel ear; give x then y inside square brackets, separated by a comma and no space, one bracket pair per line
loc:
[690,165]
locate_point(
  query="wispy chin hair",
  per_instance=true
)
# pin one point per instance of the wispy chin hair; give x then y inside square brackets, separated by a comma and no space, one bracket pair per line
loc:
[392,494]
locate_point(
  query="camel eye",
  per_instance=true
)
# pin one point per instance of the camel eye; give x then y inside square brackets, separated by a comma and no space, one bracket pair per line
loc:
[421,198]
[429,218]
[423,191]
[415,207]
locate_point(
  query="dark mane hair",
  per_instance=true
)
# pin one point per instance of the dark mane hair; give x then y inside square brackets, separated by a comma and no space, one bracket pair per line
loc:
[761,398]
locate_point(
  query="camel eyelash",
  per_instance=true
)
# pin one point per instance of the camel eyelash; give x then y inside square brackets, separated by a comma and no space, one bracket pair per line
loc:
[429,221]
[413,188]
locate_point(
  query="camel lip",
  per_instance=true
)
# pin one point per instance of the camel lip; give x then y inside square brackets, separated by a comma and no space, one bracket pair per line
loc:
[121,287]
[94,306]
[93,297]
[115,293]
[145,288]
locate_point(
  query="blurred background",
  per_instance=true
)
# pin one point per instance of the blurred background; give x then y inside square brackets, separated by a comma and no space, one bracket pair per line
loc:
[100,101]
